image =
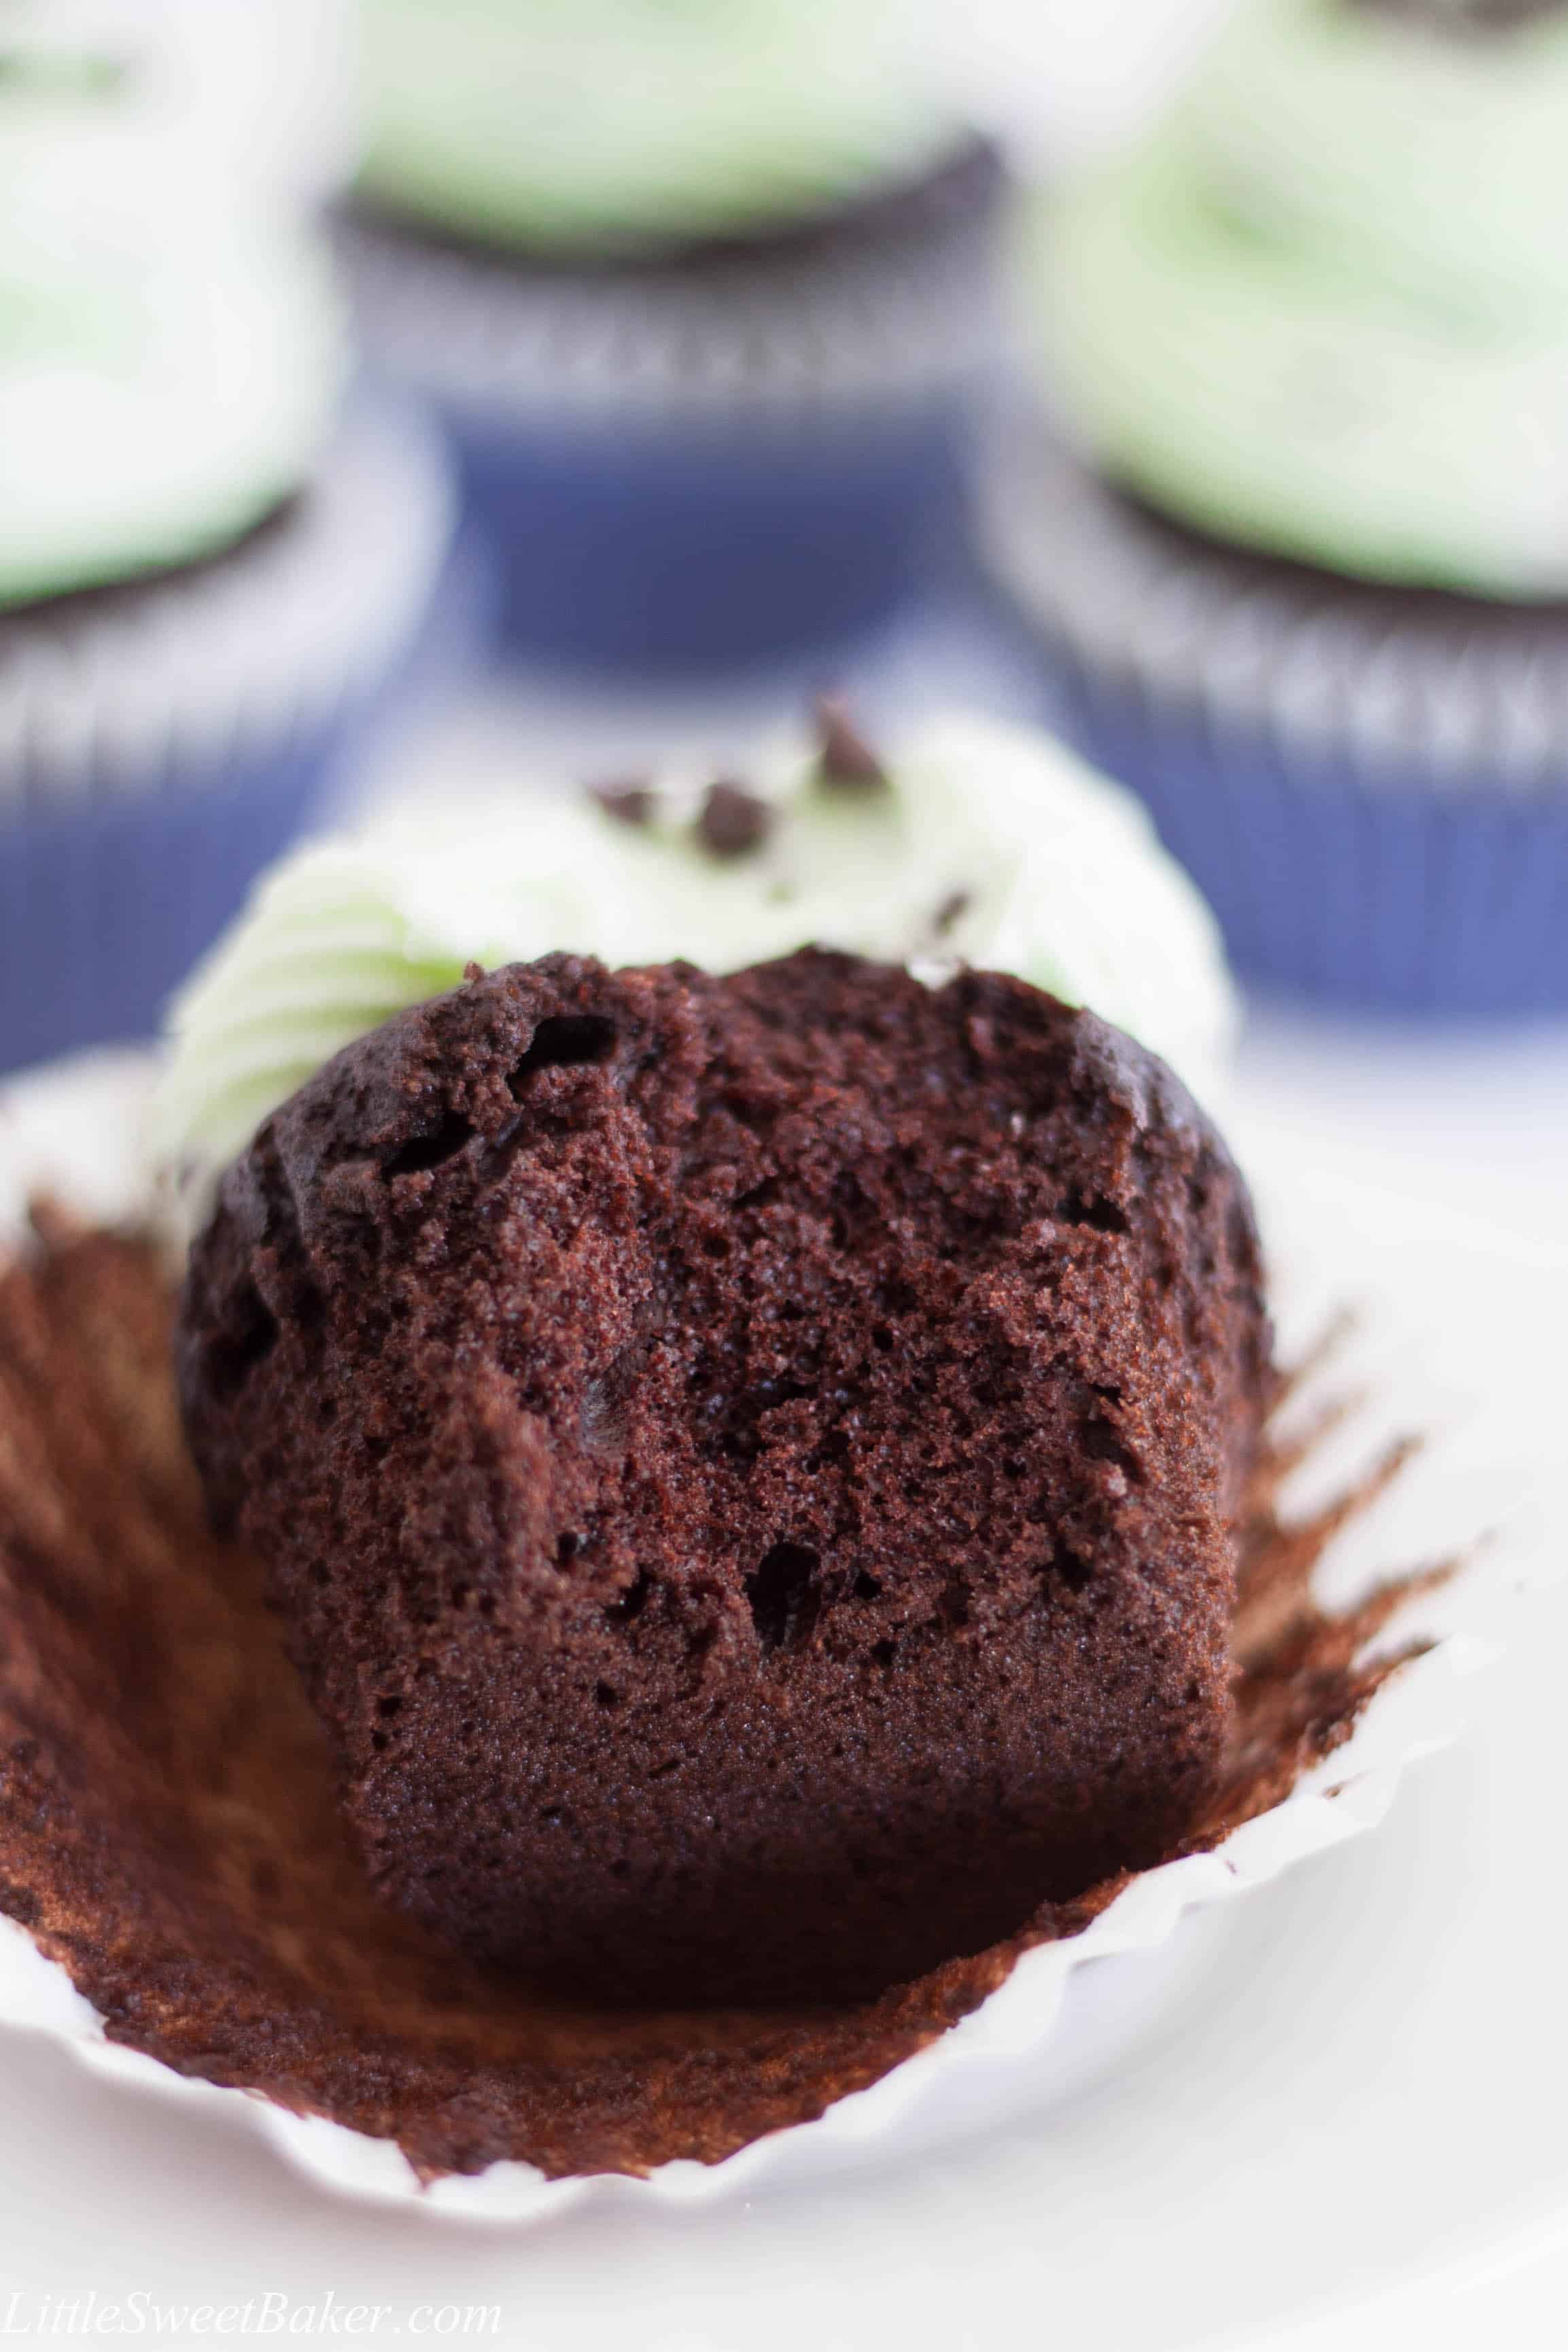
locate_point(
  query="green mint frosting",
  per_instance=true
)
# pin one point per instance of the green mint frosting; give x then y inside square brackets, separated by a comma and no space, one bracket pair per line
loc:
[624,124]
[1322,308]
[977,841]
[170,352]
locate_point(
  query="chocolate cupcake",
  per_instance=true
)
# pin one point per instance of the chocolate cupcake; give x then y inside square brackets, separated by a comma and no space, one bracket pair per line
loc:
[762,1478]
[705,296]
[208,574]
[749,1467]
[1301,552]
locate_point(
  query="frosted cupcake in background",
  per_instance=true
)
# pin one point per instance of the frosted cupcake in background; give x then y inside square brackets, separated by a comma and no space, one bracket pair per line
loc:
[1304,563]
[706,293]
[965,841]
[207,576]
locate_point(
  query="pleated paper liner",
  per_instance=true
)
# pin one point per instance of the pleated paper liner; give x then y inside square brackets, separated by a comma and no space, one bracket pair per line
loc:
[161,741]
[168,1836]
[715,454]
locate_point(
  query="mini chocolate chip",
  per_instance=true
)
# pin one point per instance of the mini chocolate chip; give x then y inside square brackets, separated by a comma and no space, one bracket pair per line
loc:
[732,823]
[954,906]
[627,803]
[847,760]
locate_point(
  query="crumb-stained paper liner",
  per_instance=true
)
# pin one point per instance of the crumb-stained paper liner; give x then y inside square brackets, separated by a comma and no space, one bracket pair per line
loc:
[227,1935]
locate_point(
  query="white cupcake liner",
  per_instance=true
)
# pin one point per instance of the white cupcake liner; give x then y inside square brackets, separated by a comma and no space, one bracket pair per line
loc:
[846,322]
[1434,698]
[76,1127]
[241,654]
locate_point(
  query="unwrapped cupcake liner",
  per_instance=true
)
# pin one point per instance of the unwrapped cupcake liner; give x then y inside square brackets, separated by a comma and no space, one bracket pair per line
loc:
[1053,2021]
[1371,792]
[706,459]
[158,745]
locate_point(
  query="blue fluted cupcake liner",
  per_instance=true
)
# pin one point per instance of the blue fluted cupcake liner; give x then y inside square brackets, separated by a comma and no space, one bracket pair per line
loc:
[709,457]
[1370,787]
[159,744]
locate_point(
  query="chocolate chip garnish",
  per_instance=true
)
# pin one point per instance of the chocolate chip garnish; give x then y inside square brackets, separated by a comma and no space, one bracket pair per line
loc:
[732,823]
[954,905]
[627,803]
[847,760]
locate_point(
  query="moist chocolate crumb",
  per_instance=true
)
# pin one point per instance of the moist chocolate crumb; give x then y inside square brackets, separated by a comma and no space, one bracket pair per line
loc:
[856,1381]
[733,821]
[633,804]
[847,760]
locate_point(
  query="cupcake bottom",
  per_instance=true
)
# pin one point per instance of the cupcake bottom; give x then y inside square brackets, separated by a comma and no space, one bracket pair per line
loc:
[667,551]
[717,455]
[161,743]
[1369,784]
[103,908]
[1392,899]
[169,1829]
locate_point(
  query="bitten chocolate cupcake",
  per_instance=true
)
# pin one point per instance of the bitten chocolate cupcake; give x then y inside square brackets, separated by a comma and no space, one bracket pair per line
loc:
[748,1466]
[1301,553]
[705,294]
[759,1475]
[959,840]
[209,573]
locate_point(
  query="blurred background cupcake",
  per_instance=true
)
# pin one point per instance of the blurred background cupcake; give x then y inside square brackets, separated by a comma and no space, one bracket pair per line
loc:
[706,292]
[210,571]
[1300,546]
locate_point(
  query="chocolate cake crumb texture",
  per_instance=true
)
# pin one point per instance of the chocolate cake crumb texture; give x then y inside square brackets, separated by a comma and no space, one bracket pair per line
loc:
[168,1829]
[747,1466]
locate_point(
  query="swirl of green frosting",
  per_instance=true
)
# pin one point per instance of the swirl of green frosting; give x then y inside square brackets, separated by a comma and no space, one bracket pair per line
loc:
[975,841]
[624,124]
[1322,308]
[169,346]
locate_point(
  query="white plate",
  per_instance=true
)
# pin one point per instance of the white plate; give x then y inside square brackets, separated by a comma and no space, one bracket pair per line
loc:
[1354,2077]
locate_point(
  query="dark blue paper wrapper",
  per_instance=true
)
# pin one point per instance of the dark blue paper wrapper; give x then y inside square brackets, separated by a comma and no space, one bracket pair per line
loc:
[161,750]
[666,552]
[1370,791]
[104,908]
[1390,896]
[706,460]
